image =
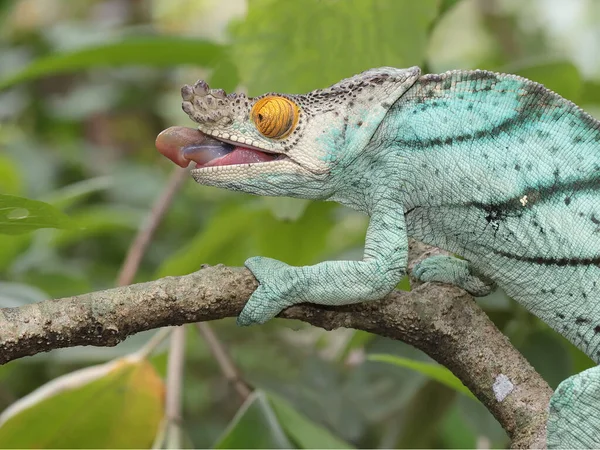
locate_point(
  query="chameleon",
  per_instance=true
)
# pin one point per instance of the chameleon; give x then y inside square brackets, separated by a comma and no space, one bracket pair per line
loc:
[494,168]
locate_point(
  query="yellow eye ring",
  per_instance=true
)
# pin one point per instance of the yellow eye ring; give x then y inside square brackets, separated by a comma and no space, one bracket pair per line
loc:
[275,117]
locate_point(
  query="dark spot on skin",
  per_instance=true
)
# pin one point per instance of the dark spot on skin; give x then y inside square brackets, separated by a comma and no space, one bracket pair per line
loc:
[385,105]
[597,329]
[594,220]
[517,167]
[553,149]
[581,320]
[567,200]
[359,123]
[577,139]
[432,77]
[542,133]
[560,315]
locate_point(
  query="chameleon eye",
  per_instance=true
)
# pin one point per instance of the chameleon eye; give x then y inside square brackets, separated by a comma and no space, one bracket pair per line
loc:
[275,117]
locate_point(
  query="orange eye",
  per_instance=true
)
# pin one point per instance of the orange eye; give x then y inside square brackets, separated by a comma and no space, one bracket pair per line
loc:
[275,117]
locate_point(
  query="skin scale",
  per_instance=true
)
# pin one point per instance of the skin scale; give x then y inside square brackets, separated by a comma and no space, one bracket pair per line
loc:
[492,167]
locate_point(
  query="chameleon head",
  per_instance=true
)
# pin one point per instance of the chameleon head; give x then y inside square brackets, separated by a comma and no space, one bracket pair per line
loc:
[279,144]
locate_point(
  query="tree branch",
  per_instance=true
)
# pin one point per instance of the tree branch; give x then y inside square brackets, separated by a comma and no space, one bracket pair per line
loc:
[441,320]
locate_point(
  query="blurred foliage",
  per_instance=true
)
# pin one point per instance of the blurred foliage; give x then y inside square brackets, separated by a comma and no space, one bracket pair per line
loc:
[86,86]
[114,405]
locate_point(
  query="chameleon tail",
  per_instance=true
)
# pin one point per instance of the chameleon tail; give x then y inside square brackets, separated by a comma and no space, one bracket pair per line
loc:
[574,419]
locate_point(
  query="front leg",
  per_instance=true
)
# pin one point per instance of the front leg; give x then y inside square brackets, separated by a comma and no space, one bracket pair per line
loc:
[334,282]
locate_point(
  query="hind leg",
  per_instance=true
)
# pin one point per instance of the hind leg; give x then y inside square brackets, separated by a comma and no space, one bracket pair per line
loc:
[451,270]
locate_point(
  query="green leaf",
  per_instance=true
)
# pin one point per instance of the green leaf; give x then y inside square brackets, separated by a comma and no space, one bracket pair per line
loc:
[11,247]
[297,242]
[455,432]
[97,220]
[427,407]
[591,92]
[561,77]
[222,240]
[114,405]
[304,433]
[10,178]
[148,51]
[21,215]
[254,426]
[297,46]
[75,193]
[433,371]
[536,348]
[58,282]
[237,232]
[13,295]
[446,5]
[285,208]
[358,339]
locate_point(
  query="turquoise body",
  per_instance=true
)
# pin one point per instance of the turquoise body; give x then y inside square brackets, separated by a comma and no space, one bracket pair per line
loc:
[494,168]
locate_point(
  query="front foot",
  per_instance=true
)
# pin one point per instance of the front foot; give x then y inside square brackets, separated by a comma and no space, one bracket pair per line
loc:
[280,287]
[451,270]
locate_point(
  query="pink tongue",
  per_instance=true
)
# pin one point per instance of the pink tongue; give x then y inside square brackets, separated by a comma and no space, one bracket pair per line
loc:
[182,145]
[241,155]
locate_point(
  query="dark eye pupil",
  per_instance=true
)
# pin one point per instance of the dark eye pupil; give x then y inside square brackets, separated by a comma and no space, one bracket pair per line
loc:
[260,117]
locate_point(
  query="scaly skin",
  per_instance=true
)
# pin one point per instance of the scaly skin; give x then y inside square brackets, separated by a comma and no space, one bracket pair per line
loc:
[494,168]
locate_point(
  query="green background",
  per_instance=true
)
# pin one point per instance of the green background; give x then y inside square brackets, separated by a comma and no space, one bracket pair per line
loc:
[85,87]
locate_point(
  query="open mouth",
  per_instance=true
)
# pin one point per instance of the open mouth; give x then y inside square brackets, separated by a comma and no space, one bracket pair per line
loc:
[183,145]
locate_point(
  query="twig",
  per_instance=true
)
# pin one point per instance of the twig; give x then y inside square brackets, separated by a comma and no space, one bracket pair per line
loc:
[230,371]
[153,342]
[140,243]
[173,414]
[138,249]
[441,320]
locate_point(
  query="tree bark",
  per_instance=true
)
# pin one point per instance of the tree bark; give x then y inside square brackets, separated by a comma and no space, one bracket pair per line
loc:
[443,321]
